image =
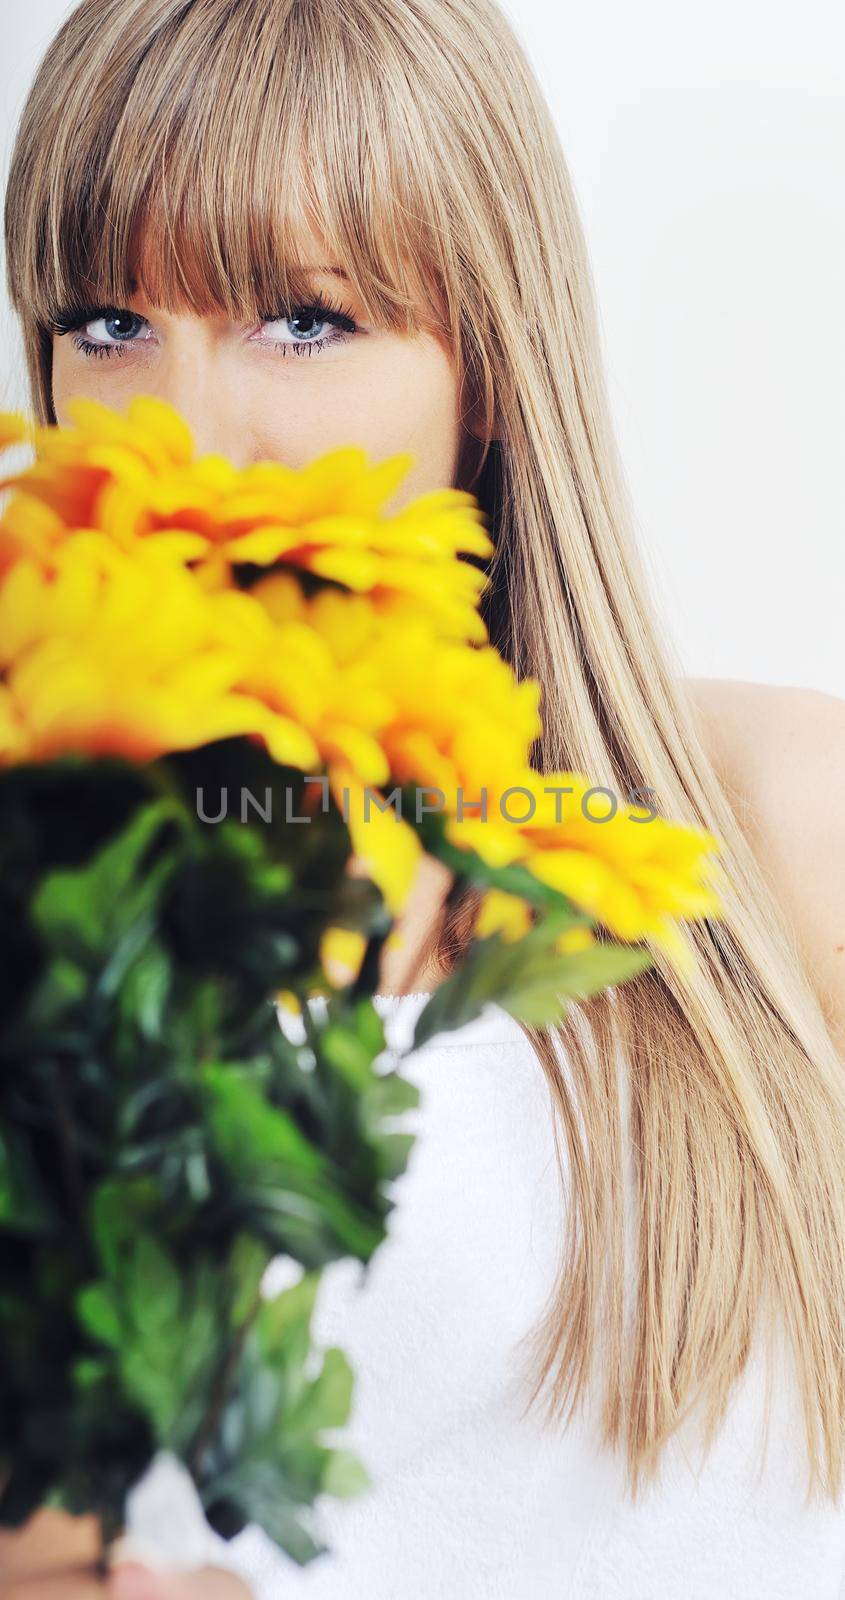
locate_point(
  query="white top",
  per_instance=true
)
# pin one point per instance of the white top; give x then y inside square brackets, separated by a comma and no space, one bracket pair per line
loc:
[471,1499]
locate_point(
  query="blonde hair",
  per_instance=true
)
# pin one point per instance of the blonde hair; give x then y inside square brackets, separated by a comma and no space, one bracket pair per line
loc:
[414,134]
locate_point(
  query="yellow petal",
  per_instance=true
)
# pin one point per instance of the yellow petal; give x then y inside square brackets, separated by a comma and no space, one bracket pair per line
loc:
[15,428]
[341,953]
[503,913]
[388,849]
[159,419]
[288,1001]
[573,940]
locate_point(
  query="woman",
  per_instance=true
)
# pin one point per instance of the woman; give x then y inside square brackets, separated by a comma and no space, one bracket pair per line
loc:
[350,221]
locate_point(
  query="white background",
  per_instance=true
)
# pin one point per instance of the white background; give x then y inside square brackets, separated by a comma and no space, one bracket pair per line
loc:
[706,141]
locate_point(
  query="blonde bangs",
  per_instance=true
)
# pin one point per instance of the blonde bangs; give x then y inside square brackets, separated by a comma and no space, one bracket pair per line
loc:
[210,146]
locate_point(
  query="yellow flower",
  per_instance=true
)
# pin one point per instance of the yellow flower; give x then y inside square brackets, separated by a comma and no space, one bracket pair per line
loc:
[134,476]
[14,429]
[388,849]
[574,940]
[341,953]
[289,1001]
[502,913]
[111,654]
[635,877]
[131,624]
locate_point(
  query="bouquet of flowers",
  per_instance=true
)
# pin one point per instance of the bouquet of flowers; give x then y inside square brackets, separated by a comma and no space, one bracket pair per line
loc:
[217,688]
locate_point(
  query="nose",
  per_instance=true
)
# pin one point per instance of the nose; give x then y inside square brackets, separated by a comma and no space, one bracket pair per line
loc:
[214,424]
[193,383]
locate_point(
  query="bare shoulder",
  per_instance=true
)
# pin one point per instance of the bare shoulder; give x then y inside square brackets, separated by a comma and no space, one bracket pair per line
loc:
[754,731]
[780,751]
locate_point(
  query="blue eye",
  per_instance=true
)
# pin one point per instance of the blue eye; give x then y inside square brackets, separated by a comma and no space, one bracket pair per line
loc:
[119,326]
[311,320]
[312,327]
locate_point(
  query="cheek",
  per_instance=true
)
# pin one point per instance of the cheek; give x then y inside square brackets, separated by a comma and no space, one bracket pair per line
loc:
[419,412]
[394,395]
[111,382]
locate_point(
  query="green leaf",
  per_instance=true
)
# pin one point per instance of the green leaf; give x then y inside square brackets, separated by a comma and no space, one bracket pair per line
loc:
[348,1053]
[394,1150]
[146,988]
[390,1095]
[248,1131]
[152,1286]
[79,910]
[119,1209]
[169,1175]
[90,1373]
[248,1263]
[527,977]
[99,1312]
[283,1326]
[602,967]
[326,1401]
[257,1488]
[538,994]
[345,1476]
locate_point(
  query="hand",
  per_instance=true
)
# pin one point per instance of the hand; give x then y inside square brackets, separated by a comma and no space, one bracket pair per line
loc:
[54,1557]
[136,1583]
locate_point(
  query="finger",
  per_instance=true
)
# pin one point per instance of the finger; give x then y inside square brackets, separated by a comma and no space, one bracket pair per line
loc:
[134,1582]
[51,1541]
[212,1583]
[53,1586]
[131,1581]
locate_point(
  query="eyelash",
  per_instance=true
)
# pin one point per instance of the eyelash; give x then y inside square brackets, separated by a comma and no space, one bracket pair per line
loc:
[319,308]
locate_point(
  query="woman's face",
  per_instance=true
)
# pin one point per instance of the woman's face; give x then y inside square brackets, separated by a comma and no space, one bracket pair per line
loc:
[287,389]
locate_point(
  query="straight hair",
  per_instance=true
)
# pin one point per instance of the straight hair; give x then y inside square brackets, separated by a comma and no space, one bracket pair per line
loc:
[187,139]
